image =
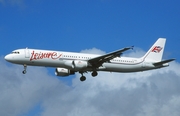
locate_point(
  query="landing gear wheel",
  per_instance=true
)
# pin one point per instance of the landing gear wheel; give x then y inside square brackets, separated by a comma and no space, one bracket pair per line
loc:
[25,67]
[24,71]
[83,78]
[94,73]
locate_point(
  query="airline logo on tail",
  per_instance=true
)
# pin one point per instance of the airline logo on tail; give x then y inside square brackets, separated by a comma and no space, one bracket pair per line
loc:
[157,49]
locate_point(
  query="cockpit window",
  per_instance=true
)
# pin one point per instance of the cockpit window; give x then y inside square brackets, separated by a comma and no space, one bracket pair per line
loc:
[15,52]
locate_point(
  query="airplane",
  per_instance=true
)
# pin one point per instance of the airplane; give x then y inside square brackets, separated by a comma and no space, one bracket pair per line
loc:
[68,63]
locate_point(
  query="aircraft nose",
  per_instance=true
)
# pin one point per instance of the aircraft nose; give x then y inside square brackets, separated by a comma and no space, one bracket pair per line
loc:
[8,58]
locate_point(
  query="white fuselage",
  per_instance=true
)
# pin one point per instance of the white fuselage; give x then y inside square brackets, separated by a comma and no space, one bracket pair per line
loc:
[47,58]
[67,63]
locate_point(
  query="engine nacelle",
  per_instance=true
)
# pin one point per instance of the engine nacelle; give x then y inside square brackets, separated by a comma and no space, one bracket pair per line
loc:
[63,72]
[79,64]
[76,64]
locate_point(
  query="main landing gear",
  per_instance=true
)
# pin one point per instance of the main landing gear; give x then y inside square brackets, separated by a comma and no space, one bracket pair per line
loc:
[94,73]
[83,78]
[25,67]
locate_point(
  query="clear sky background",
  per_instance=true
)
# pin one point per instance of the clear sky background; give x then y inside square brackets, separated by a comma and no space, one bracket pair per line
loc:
[97,26]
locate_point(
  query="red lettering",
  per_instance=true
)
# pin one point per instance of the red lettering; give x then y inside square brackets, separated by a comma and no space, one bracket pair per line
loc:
[32,54]
[42,55]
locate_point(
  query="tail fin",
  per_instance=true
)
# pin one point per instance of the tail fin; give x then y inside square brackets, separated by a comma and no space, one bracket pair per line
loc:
[155,53]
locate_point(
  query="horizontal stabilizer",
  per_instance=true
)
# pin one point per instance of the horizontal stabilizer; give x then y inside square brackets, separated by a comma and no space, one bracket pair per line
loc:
[163,62]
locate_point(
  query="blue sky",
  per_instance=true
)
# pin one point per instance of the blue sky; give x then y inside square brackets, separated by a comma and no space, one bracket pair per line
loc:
[76,25]
[69,25]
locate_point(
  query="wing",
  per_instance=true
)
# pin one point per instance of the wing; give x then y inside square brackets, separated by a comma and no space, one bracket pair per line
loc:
[98,61]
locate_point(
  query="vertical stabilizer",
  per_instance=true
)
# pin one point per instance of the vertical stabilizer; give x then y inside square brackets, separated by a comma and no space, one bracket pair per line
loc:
[155,53]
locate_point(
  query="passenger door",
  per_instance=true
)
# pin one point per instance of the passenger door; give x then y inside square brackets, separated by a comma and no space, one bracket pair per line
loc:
[27,54]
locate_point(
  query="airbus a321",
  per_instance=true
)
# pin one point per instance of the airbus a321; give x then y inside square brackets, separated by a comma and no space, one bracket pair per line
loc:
[67,63]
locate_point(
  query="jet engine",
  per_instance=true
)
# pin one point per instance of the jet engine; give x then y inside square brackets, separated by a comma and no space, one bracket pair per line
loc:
[79,64]
[76,64]
[63,72]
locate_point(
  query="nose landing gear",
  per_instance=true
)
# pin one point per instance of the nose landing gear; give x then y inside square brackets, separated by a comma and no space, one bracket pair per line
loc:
[25,67]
